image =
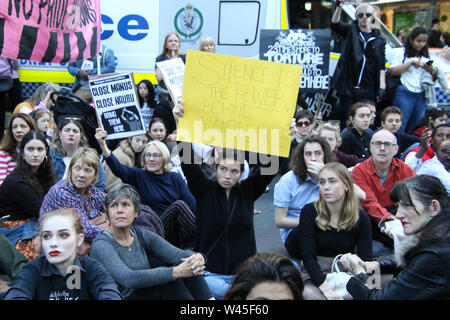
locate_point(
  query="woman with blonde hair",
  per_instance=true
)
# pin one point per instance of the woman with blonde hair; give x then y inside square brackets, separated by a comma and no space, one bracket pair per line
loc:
[207,44]
[78,191]
[164,191]
[67,140]
[334,224]
[42,98]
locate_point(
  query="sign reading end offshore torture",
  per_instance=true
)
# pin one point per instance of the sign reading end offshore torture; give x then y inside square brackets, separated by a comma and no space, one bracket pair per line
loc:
[238,103]
[117,105]
[308,48]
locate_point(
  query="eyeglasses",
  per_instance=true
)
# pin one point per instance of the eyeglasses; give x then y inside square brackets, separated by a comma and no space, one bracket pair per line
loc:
[303,123]
[361,15]
[386,144]
[153,155]
[445,151]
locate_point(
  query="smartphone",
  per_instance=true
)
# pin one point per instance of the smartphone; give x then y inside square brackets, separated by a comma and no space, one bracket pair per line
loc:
[382,223]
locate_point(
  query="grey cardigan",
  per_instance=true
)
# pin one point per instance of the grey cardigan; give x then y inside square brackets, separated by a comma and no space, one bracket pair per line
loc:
[130,266]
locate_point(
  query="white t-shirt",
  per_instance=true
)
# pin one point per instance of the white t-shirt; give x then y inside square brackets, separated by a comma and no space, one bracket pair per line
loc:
[66,162]
[411,78]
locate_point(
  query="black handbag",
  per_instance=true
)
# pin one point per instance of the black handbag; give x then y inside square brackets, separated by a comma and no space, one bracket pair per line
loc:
[392,83]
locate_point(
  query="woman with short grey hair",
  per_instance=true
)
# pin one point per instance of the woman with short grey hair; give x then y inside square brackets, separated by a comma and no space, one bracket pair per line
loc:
[143,264]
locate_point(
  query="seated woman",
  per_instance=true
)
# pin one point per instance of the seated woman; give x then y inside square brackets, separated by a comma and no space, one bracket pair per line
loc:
[78,191]
[266,276]
[18,126]
[333,135]
[127,254]
[67,139]
[158,131]
[163,191]
[332,225]
[225,209]
[423,256]
[51,276]
[298,187]
[23,190]
[128,152]
[356,139]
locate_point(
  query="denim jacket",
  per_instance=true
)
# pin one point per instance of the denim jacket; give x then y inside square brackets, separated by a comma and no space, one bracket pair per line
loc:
[60,167]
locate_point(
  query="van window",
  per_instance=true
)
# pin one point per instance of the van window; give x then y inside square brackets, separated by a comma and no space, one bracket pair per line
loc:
[238,22]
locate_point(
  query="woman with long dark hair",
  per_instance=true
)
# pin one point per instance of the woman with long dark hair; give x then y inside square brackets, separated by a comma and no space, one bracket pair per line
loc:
[22,192]
[416,74]
[18,126]
[147,101]
[424,255]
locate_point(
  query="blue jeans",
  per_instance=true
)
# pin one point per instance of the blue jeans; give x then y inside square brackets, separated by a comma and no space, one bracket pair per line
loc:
[218,283]
[412,104]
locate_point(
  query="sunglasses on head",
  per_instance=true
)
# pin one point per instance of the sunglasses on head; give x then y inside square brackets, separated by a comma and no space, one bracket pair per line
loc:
[361,15]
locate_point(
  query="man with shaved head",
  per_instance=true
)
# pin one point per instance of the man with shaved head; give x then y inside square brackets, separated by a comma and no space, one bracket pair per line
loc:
[376,176]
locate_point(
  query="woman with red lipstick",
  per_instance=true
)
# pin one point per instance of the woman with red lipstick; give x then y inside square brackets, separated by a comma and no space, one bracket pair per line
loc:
[18,125]
[332,225]
[23,190]
[60,274]
[423,256]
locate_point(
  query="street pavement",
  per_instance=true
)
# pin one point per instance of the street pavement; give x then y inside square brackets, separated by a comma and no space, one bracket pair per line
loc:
[267,234]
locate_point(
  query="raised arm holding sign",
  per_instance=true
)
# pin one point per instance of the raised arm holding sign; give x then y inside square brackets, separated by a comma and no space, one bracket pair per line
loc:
[238,103]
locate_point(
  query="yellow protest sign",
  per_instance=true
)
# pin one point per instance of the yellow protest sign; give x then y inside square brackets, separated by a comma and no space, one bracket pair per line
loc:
[238,103]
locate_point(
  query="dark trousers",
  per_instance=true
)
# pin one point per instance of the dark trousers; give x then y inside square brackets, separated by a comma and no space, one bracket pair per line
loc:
[193,288]
[11,260]
[180,224]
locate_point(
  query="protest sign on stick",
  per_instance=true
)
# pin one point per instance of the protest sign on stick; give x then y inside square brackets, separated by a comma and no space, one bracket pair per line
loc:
[238,103]
[309,48]
[55,31]
[117,105]
[172,71]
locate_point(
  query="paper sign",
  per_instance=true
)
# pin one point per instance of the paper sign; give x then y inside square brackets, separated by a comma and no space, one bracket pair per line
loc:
[117,105]
[238,103]
[309,48]
[172,71]
[55,31]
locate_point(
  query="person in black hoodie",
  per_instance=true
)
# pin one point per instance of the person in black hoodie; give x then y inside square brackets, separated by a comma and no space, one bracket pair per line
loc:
[360,72]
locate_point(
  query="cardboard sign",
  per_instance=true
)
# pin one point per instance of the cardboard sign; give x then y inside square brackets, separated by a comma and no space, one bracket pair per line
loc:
[117,105]
[172,71]
[55,31]
[238,103]
[308,48]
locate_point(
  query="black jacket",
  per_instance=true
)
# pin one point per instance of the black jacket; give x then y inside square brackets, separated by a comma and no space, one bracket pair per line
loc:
[425,276]
[347,71]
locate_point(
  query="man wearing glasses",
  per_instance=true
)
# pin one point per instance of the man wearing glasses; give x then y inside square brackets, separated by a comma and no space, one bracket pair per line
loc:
[360,73]
[377,176]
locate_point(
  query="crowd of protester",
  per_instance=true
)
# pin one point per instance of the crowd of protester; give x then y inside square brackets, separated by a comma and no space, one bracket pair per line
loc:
[151,218]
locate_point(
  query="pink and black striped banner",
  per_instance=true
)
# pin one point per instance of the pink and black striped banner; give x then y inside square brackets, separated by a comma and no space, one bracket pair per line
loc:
[55,31]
